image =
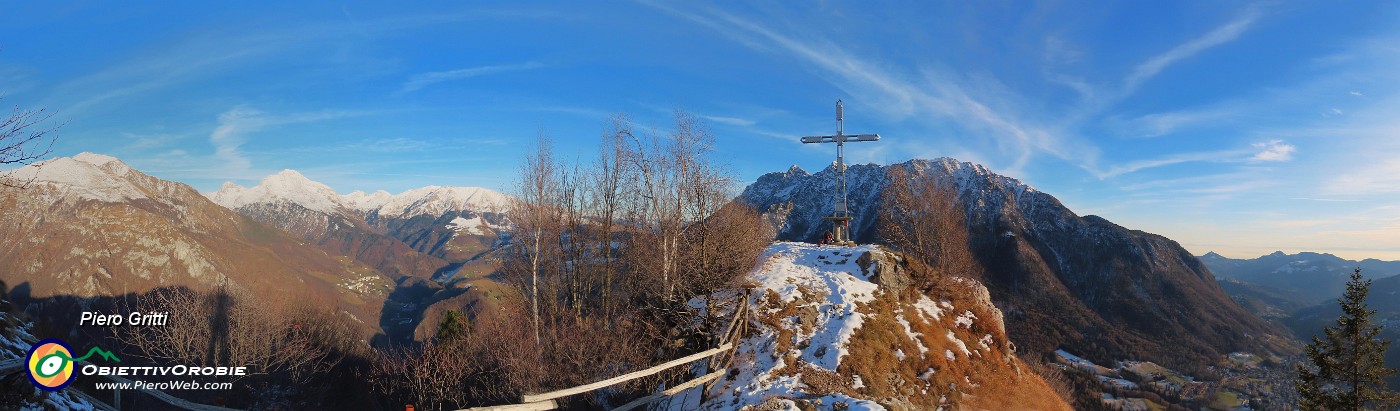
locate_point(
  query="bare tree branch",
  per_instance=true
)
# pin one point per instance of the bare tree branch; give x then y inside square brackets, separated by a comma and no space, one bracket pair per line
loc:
[22,141]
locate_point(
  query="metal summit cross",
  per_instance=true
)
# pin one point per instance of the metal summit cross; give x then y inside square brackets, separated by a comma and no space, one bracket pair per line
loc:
[840,218]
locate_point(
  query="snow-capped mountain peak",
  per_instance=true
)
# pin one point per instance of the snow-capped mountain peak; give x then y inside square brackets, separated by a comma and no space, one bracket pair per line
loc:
[435,200]
[87,175]
[367,202]
[290,186]
[286,186]
[99,159]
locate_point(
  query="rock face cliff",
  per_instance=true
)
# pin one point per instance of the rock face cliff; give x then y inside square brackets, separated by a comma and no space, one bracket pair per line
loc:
[860,328]
[1063,280]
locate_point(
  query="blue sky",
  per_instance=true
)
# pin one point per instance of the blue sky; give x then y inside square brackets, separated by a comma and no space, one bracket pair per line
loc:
[1229,126]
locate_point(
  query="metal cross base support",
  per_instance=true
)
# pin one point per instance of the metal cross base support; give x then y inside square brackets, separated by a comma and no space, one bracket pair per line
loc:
[840,231]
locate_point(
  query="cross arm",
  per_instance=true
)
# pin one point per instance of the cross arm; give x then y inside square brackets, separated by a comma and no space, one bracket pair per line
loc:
[841,138]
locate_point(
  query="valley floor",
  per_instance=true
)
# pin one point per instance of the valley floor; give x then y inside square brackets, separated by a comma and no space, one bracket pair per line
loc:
[1241,381]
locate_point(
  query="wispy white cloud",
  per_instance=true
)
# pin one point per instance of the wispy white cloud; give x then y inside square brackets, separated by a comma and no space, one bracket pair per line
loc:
[211,51]
[1161,124]
[1059,51]
[1220,35]
[237,123]
[418,81]
[1373,177]
[1139,165]
[229,136]
[1273,150]
[1269,151]
[726,120]
[577,111]
[984,105]
[190,58]
[925,93]
[733,121]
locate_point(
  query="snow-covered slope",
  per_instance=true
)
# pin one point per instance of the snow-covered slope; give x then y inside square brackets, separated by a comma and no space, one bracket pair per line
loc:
[287,186]
[831,334]
[97,177]
[367,202]
[436,200]
[86,175]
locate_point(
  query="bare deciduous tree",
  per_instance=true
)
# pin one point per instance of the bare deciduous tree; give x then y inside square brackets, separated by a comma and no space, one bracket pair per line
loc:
[608,254]
[23,141]
[226,327]
[534,212]
[431,375]
[924,218]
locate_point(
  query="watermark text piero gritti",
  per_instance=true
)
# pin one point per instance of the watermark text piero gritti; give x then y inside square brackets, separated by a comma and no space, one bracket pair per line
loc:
[137,319]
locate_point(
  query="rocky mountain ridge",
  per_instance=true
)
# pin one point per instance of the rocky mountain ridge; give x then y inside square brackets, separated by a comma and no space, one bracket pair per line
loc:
[1064,281]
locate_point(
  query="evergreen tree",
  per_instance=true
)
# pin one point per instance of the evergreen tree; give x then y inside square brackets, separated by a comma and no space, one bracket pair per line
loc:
[453,326]
[1348,366]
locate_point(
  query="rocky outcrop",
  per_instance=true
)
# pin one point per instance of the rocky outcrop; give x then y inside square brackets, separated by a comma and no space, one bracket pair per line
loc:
[829,336]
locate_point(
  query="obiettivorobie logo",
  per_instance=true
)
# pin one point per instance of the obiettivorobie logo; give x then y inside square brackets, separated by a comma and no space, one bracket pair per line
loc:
[51,363]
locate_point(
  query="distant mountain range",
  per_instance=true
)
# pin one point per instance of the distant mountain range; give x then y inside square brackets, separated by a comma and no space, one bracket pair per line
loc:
[1081,283]
[434,241]
[416,233]
[91,226]
[1292,281]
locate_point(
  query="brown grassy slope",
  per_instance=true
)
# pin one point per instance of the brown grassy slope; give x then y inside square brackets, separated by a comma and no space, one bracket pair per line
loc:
[992,377]
[56,243]
[887,359]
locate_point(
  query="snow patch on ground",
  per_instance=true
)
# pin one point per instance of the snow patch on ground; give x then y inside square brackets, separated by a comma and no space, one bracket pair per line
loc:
[959,343]
[788,268]
[913,335]
[1117,382]
[930,309]
[473,226]
[965,319]
[985,342]
[1075,361]
[837,284]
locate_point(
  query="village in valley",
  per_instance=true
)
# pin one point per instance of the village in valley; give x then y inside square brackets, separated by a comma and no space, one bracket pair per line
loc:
[1241,381]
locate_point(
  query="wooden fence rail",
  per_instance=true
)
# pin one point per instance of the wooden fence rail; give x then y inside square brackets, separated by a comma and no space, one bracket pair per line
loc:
[528,398]
[717,367]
